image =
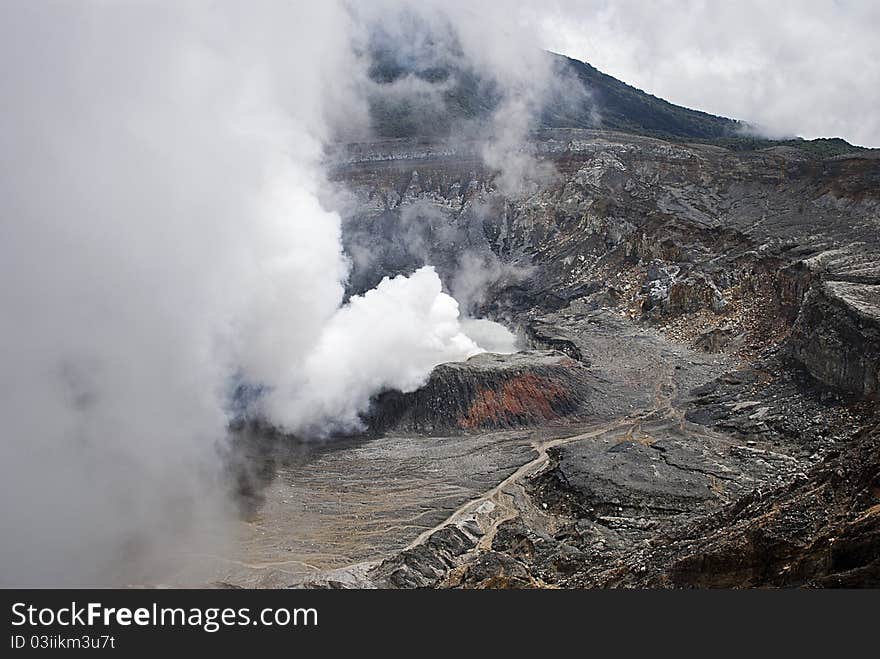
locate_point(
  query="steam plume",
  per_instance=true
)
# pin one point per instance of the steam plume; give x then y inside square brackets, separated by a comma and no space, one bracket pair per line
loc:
[161,234]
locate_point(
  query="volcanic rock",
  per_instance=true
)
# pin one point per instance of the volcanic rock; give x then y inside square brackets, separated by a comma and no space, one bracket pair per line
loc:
[823,529]
[837,336]
[488,391]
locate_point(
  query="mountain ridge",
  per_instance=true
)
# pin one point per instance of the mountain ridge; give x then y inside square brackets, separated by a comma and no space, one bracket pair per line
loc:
[590,99]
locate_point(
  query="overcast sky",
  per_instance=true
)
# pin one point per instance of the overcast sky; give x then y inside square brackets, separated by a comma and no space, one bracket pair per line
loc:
[805,67]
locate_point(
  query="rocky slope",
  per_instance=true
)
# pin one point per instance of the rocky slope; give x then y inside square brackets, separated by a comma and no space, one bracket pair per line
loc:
[837,336]
[488,392]
[822,528]
[715,320]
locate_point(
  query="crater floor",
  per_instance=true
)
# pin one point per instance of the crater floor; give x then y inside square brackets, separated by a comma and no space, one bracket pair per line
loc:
[699,406]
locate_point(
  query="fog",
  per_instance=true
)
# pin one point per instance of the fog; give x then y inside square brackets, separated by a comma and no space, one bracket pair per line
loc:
[163,237]
[790,67]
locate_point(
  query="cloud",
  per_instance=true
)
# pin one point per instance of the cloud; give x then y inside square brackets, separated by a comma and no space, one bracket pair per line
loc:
[162,237]
[810,68]
[455,70]
[159,229]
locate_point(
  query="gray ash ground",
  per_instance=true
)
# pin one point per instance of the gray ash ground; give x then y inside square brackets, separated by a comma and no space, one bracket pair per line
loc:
[698,406]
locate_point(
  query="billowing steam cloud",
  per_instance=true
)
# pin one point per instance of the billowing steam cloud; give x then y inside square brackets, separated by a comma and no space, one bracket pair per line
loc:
[159,224]
[389,338]
[161,234]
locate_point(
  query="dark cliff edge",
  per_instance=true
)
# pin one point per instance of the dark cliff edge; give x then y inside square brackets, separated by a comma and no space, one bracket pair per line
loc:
[837,336]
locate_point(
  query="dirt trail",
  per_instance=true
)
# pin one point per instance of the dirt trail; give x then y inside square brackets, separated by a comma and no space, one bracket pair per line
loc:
[353,513]
[504,502]
[503,510]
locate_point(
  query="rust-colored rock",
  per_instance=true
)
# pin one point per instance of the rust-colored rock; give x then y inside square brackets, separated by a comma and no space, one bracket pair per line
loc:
[526,397]
[489,391]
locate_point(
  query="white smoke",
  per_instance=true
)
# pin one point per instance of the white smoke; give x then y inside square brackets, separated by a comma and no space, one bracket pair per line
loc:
[389,338]
[160,233]
[159,230]
[492,336]
[478,272]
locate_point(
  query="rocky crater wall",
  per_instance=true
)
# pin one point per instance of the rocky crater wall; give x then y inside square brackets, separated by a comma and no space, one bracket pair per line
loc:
[837,336]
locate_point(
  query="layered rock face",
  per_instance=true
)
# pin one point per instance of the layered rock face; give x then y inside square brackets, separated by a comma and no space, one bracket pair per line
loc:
[489,392]
[822,529]
[837,336]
